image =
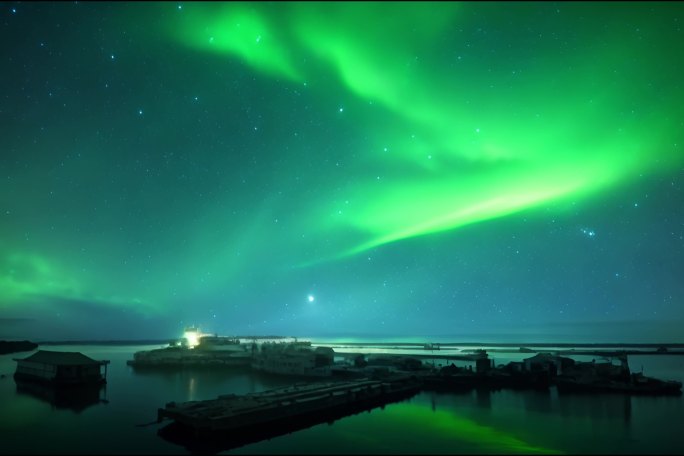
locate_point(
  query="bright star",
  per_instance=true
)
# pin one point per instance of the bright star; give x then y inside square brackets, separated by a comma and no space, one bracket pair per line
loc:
[589,232]
[310,298]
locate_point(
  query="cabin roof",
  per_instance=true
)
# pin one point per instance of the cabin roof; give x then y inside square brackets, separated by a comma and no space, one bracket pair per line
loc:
[541,357]
[60,358]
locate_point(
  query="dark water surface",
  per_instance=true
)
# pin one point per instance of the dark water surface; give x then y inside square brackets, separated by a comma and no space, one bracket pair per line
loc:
[475,422]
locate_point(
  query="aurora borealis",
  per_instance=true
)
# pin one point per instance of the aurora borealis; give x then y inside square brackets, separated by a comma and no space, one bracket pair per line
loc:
[469,170]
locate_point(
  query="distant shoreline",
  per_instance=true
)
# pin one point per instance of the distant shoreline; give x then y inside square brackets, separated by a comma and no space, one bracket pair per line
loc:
[105,342]
[520,344]
[16,346]
[395,344]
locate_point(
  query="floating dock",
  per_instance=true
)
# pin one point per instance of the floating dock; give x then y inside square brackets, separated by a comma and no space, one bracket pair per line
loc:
[231,420]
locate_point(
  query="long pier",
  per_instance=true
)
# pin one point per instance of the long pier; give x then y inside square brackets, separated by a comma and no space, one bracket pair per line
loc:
[230,421]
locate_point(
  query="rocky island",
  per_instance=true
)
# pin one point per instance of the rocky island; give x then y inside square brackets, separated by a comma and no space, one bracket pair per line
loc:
[14,346]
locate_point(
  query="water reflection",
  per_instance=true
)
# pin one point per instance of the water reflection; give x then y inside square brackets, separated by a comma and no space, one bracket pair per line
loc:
[431,423]
[75,399]
[538,401]
[596,407]
[198,382]
[484,398]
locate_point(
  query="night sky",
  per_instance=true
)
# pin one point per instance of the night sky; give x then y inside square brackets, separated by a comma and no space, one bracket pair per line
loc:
[472,171]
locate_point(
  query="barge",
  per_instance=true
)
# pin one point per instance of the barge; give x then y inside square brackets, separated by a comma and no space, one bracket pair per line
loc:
[236,420]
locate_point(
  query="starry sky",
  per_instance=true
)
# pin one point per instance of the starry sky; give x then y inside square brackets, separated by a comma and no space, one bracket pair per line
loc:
[466,171]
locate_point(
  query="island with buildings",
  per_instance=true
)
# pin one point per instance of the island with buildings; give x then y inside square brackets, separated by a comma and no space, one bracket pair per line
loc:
[329,384]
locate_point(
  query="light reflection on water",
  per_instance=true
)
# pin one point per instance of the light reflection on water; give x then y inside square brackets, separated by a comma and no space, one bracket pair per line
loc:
[472,422]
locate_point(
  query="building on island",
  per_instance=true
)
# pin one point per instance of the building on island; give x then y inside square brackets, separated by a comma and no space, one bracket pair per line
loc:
[294,358]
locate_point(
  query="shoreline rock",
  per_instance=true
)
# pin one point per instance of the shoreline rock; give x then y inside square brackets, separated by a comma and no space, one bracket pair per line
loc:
[7,347]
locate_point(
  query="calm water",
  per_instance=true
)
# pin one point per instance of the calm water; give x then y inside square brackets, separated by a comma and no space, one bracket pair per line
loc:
[497,422]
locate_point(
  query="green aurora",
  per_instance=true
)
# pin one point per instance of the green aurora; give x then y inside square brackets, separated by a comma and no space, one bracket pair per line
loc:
[475,151]
[432,167]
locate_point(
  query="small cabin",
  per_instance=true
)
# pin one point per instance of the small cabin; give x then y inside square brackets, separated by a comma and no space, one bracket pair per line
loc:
[324,356]
[61,368]
[542,362]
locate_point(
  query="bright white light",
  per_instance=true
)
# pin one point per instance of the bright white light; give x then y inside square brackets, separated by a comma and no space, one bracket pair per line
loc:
[192,337]
[311,298]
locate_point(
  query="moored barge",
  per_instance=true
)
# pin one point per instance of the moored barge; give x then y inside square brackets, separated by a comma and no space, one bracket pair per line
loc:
[261,415]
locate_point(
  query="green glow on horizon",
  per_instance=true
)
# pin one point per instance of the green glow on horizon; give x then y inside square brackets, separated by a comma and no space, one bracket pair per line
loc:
[26,274]
[24,277]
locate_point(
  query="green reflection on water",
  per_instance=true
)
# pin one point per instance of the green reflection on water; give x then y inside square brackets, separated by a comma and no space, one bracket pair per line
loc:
[454,430]
[21,412]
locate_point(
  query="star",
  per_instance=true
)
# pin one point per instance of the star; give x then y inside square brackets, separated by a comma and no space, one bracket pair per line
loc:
[589,232]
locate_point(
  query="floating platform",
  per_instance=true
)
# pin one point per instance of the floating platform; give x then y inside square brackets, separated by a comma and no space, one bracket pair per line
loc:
[231,421]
